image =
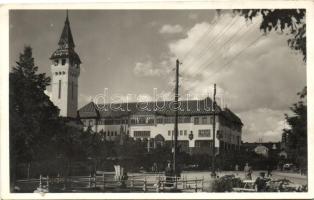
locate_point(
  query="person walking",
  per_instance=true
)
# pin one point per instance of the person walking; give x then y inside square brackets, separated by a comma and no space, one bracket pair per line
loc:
[169,174]
[269,170]
[247,172]
[236,169]
[261,183]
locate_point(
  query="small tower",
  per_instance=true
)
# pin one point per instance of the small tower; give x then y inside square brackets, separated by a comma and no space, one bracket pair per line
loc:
[65,71]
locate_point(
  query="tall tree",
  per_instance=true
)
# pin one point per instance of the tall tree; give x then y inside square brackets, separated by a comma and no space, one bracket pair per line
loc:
[30,110]
[297,133]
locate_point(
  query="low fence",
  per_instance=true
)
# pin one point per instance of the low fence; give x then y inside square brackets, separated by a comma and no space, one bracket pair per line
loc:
[105,183]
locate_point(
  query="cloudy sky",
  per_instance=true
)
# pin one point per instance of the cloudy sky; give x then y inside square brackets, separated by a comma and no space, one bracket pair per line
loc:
[134,51]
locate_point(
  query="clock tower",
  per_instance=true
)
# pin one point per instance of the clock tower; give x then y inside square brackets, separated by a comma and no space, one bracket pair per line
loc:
[65,71]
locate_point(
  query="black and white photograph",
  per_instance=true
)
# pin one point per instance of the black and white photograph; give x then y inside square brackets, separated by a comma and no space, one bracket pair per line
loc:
[152,100]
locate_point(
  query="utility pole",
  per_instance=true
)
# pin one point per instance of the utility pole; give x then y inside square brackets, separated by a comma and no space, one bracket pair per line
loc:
[213,174]
[176,103]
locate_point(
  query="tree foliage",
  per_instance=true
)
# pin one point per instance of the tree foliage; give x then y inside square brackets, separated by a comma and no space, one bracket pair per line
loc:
[292,20]
[297,133]
[30,109]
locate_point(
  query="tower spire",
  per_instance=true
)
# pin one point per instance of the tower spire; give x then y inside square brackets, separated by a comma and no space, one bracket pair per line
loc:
[66,43]
[66,38]
[67,16]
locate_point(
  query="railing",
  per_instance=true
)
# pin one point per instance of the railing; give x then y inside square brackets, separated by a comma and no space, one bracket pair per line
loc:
[104,183]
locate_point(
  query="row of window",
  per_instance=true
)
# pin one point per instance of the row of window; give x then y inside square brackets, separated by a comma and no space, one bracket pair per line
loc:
[201,133]
[111,122]
[56,62]
[171,120]
[63,73]
[110,133]
[181,132]
[203,120]
[151,120]
[142,120]
[63,62]
[230,137]
[141,133]
[59,73]
[204,133]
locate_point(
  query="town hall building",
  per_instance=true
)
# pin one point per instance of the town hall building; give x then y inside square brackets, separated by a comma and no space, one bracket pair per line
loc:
[153,125]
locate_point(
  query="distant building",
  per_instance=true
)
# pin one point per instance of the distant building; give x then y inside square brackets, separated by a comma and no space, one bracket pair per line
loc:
[156,126]
[262,148]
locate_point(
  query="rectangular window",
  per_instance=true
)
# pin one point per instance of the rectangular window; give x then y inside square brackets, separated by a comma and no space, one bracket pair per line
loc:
[204,133]
[196,120]
[169,133]
[56,62]
[159,120]
[198,144]
[59,93]
[181,132]
[142,120]
[151,121]
[63,61]
[187,120]
[204,120]
[185,132]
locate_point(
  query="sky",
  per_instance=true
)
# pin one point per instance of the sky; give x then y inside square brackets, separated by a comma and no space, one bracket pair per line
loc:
[134,51]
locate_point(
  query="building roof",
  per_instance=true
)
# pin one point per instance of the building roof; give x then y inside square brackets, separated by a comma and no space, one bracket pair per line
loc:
[66,38]
[66,44]
[186,108]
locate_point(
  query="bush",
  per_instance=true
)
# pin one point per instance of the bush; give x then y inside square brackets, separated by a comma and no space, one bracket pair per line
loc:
[226,183]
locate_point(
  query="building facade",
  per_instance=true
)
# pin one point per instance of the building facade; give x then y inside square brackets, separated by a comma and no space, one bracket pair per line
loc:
[148,122]
[152,122]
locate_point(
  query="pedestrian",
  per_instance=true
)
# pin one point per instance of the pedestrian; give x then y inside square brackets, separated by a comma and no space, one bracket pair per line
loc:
[248,171]
[169,174]
[269,169]
[236,168]
[261,183]
[124,179]
[155,168]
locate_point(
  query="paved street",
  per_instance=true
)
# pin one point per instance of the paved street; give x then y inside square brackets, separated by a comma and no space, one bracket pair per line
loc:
[295,178]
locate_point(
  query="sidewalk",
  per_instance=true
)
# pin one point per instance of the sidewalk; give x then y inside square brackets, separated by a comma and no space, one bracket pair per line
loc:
[289,174]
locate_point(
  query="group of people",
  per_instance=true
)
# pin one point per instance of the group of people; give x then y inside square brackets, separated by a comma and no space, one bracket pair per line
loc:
[248,171]
[261,180]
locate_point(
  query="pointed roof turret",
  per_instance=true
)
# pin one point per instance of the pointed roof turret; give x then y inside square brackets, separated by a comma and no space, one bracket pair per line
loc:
[66,38]
[66,44]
